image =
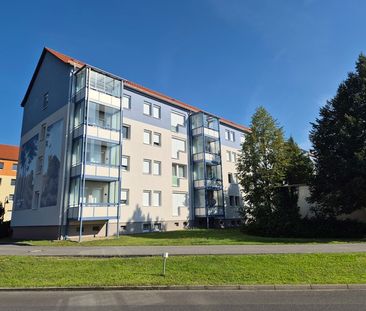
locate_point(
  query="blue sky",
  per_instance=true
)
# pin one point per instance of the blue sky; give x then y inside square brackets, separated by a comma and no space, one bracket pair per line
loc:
[225,56]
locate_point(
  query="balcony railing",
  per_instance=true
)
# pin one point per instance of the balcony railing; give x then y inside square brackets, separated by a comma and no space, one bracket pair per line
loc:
[90,211]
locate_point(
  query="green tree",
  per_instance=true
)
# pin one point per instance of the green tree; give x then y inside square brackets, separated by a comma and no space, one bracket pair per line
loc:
[339,142]
[261,168]
[299,168]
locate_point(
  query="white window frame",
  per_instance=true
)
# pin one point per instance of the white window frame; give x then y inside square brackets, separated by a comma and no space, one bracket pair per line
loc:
[148,193]
[43,132]
[146,161]
[127,199]
[154,203]
[126,99]
[158,165]
[127,158]
[150,137]
[175,127]
[156,108]
[156,134]
[147,105]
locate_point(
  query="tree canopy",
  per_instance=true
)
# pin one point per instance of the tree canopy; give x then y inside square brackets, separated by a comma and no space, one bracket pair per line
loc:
[339,141]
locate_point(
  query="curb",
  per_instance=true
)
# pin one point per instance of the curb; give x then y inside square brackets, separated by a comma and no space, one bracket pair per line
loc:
[282,287]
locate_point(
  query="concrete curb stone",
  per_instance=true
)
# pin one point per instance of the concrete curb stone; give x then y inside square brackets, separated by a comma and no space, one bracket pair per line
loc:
[197,287]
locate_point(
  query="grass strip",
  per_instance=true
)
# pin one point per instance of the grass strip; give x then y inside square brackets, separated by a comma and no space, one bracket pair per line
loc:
[186,237]
[22,271]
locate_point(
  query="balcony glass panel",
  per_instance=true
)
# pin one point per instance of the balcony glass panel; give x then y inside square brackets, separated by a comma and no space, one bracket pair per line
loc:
[196,120]
[78,113]
[102,153]
[74,192]
[80,80]
[211,122]
[105,84]
[104,116]
[100,193]
[76,152]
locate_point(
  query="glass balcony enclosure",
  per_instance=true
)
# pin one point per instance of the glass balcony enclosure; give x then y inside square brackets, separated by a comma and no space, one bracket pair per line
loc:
[95,193]
[102,153]
[105,84]
[104,116]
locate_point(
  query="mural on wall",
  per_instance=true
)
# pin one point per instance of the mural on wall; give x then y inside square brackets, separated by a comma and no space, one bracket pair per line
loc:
[26,171]
[52,164]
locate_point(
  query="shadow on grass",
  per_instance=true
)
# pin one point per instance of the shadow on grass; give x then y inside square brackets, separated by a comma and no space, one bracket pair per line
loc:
[230,236]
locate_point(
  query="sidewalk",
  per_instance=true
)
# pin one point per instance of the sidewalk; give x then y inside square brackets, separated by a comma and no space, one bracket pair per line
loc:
[130,251]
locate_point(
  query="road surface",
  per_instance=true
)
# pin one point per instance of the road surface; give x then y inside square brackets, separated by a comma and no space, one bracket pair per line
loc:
[110,251]
[292,300]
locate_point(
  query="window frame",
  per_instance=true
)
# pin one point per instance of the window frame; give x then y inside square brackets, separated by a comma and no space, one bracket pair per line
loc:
[128,163]
[127,191]
[148,192]
[147,104]
[150,137]
[159,166]
[129,101]
[158,192]
[128,127]
[143,166]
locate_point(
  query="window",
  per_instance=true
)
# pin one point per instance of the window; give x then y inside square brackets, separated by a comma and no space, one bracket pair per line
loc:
[125,163]
[40,164]
[157,168]
[229,135]
[230,178]
[157,227]
[1,165]
[43,132]
[13,182]
[232,200]
[147,167]
[178,145]
[124,196]
[147,137]
[96,228]
[146,199]
[156,111]
[234,157]
[0,180]
[228,156]
[157,198]
[242,138]
[147,108]
[237,201]
[126,131]
[146,227]
[157,139]
[45,101]
[179,170]
[177,120]
[126,101]
[36,200]
[104,116]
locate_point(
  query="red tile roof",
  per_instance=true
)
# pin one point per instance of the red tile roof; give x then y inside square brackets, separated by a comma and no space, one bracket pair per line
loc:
[8,152]
[145,90]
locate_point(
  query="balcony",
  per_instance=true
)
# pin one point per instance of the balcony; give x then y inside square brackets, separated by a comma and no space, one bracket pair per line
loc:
[93,211]
[211,184]
[210,158]
[105,99]
[97,170]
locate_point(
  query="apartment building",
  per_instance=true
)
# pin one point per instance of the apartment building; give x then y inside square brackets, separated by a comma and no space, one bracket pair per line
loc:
[8,170]
[103,156]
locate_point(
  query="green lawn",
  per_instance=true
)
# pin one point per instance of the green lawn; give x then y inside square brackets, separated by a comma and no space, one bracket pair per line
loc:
[18,271]
[186,237]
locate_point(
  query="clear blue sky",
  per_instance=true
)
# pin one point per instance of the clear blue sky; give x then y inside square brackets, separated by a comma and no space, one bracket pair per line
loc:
[225,56]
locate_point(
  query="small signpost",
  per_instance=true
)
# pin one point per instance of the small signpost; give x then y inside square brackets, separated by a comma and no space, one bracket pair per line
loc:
[165,256]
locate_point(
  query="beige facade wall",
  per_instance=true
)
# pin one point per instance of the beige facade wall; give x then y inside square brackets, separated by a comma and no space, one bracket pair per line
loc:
[136,181]
[230,189]
[6,190]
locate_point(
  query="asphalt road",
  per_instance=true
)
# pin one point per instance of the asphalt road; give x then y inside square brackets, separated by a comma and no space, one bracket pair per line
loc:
[334,300]
[110,251]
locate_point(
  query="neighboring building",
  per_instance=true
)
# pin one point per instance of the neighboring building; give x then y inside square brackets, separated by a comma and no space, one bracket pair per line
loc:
[101,155]
[8,172]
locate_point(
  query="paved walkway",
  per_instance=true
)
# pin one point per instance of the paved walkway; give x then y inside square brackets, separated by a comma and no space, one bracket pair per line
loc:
[112,251]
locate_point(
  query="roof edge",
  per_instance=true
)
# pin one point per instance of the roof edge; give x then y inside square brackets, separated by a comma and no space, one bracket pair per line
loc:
[77,63]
